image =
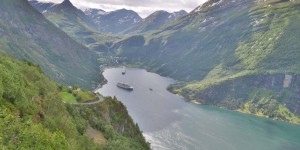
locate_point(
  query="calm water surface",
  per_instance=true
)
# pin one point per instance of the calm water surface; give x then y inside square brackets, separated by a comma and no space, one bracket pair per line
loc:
[170,123]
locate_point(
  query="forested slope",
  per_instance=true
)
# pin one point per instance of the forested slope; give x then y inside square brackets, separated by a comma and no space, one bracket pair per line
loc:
[33,115]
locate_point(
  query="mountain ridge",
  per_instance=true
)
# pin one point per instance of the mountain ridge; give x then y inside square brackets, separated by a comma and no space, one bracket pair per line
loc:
[155,20]
[114,21]
[77,25]
[41,6]
[70,11]
[120,21]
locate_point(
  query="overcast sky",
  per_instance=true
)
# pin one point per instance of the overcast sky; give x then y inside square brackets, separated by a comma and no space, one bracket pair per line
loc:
[143,7]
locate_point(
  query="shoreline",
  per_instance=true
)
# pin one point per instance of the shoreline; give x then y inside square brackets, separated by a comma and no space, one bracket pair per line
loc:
[188,100]
[195,102]
[243,112]
[264,116]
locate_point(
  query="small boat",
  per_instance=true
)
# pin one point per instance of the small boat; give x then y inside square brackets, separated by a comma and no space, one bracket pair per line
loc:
[124,86]
[124,70]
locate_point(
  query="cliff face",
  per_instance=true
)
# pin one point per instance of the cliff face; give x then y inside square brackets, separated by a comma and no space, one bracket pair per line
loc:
[272,95]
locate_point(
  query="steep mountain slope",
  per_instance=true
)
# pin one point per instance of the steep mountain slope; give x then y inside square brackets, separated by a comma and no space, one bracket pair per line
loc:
[76,24]
[26,34]
[32,115]
[71,13]
[155,20]
[115,21]
[224,44]
[41,6]
[95,14]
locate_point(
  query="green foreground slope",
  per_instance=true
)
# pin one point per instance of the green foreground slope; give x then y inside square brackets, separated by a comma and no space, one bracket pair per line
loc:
[226,52]
[27,34]
[33,115]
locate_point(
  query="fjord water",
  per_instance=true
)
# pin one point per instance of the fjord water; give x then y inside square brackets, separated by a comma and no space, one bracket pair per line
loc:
[168,122]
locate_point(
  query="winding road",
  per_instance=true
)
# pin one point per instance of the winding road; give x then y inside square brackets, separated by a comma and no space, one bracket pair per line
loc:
[100,99]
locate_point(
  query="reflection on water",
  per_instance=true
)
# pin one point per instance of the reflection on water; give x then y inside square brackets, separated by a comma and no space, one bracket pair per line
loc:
[170,123]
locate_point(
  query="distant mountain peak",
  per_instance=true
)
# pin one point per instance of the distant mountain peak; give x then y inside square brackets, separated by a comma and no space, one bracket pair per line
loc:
[114,21]
[160,11]
[178,14]
[94,11]
[67,4]
[163,12]
[156,20]
[181,11]
[123,10]
[41,6]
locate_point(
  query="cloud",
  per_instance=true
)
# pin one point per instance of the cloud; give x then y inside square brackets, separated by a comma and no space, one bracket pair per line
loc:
[143,7]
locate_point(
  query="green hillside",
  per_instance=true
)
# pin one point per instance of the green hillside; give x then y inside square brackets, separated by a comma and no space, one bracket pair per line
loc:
[26,34]
[33,115]
[34,110]
[223,46]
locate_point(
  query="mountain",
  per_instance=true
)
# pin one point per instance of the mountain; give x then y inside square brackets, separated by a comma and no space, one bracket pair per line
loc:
[178,14]
[70,18]
[76,24]
[27,34]
[155,20]
[95,14]
[242,55]
[113,22]
[41,6]
[70,11]
[33,114]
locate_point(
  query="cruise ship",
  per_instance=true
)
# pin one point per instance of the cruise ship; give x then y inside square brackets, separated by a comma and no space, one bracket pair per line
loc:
[123,70]
[124,86]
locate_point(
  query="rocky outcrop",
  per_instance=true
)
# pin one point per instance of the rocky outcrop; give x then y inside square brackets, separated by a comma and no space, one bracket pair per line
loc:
[272,95]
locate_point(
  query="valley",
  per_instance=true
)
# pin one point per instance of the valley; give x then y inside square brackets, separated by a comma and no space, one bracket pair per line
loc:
[229,54]
[168,121]
[241,56]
